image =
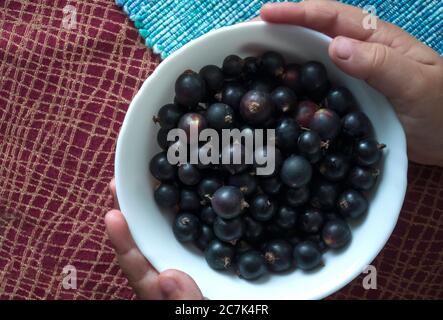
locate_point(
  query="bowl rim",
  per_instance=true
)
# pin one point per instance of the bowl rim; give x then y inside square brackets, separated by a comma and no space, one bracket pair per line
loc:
[119,166]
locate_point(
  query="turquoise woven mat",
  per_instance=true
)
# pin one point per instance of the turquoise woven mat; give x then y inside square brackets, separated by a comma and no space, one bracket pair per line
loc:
[166,25]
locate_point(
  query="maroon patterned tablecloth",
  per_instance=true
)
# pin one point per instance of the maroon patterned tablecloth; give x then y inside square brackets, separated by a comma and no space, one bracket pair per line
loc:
[63,96]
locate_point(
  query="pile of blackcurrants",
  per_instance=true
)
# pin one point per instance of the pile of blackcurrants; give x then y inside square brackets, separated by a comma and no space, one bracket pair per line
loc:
[326,161]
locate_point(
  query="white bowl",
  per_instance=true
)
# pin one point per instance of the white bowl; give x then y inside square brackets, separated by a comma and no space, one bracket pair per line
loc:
[151,228]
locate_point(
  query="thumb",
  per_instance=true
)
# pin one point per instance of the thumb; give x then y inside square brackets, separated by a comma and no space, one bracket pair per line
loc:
[381,66]
[177,285]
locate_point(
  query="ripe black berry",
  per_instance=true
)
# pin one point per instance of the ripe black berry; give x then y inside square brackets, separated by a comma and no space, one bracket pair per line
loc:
[286,134]
[368,152]
[228,230]
[307,255]
[311,220]
[296,197]
[286,217]
[186,227]
[336,233]
[262,208]
[251,265]
[340,100]
[232,94]
[256,107]
[189,201]
[190,89]
[352,204]
[273,63]
[213,77]
[254,230]
[326,123]
[220,116]
[188,174]
[296,171]
[228,202]
[219,255]
[246,182]
[208,186]
[278,255]
[207,215]
[314,80]
[291,78]
[362,178]
[324,195]
[234,158]
[271,185]
[309,143]
[162,138]
[334,166]
[161,168]
[192,120]
[205,237]
[166,195]
[168,115]
[356,124]
[284,99]
[305,112]
[232,65]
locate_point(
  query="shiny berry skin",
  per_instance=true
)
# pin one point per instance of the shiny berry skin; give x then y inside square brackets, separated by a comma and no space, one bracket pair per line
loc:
[262,208]
[336,233]
[334,167]
[356,124]
[368,152]
[169,115]
[219,255]
[250,68]
[284,99]
[286,217]
[266,85]
[307,255]
[232,66]
[296,197]
[192,120]
[326,123]
[190,89]
[273,63]
[204,239]
[162,138]
[188,174]
[362,178]
[220,116]
[208,186]
[324,195]
[305,112]
[254,230]
[213,77]
[232,94]
[228,230]
[352,204]
[166,195]
[314,80]
[309,142]
[311,220]
[189,201]
[340,100]
[296,171]
[261,153]
[278,255]
[233,158]
[318,241]
[160,167]
[286,134]
[291,78]
[246,182]
[207,215]
[256,107]
[186,227]
[251,265]
[228,202]
[271,185]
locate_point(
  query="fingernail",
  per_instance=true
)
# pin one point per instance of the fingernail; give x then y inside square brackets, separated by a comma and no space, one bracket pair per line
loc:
[168,286]
[343,47]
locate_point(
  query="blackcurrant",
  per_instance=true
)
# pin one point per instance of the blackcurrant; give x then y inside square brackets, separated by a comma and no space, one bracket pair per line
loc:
[262,84]
[368,152]
[340,100]
[190,88]
[307,255]
[228,202]
[273,63]
[278,255]
[284,99]
[228,230]
[250,68]
[362,178]
[168,115]
[286,217]
[286,134]
[232,65]
[189,201]
[234,157]
[207,215]
[220,116]
[213,77]
[251,265]
[334,166]
[305,112]
[296,171]
[352,204]
[336,233]
[188,174]
[309,142]
[326,123]
[256,107]
[186,227]
[356,124]
[271,185]
[254,230]
[206,235]
[324,194]
[219,255]
[192,120]
[262,208]
[166,195]
[291,78]
[161,168]
[232,94]
[311,221]
[314,80]
[296,197]
[162,138]
[208,186]
[246,182]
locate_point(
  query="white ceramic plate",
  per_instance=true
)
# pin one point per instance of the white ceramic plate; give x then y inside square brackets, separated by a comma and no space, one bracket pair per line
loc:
[151,228]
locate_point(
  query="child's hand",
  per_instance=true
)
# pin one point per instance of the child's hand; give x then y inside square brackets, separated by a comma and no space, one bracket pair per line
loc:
[408,72]
[147,282]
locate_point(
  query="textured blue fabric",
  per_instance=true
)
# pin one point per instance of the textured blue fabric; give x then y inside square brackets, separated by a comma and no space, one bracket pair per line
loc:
[166,25]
